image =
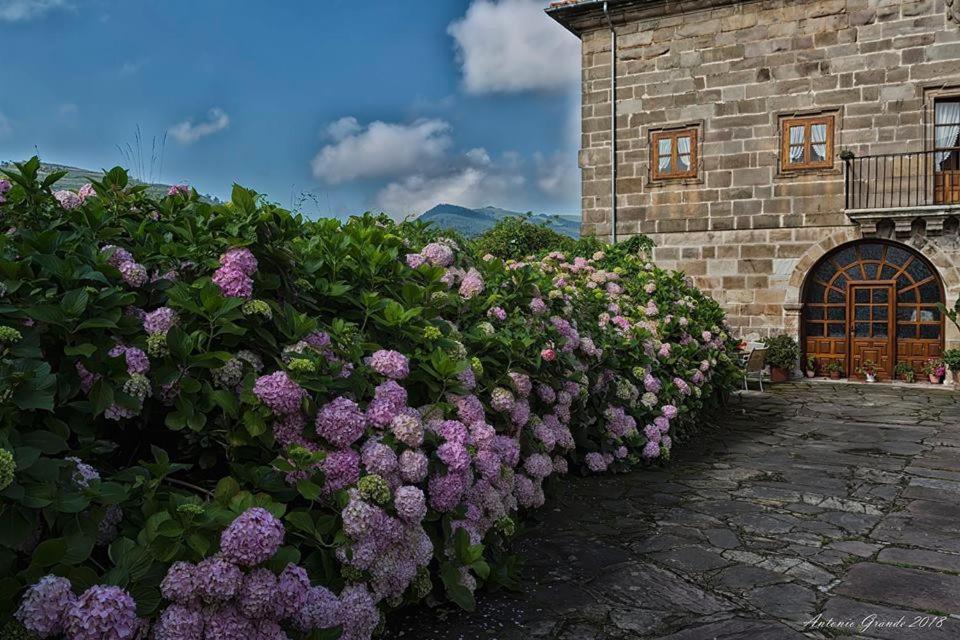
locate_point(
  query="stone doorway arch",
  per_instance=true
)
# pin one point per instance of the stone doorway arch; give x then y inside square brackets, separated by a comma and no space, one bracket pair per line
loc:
[872,300]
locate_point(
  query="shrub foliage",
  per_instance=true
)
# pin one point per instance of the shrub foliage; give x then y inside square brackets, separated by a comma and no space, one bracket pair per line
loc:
[206,405]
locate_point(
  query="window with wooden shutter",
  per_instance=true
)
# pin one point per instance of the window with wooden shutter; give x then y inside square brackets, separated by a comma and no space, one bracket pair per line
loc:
[806,143]
[674,154]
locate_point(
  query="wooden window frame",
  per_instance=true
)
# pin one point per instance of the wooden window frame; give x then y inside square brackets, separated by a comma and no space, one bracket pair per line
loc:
[807,122]
[673,135]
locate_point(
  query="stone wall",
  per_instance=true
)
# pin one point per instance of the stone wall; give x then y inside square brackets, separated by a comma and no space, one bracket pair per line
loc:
[734,70]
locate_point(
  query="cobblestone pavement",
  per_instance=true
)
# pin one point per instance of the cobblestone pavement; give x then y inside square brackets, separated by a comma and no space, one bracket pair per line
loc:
[834,500]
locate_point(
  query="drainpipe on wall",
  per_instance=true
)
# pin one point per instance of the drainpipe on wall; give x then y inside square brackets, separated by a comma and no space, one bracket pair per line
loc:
[613,127]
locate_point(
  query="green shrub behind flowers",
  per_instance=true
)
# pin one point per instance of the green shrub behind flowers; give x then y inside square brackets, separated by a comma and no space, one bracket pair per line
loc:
[225,420]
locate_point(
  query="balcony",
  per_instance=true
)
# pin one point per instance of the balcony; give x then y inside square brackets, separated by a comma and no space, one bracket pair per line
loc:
[906,189]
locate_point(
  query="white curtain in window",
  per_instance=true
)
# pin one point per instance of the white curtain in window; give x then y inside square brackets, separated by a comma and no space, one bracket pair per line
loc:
[664,151]
[818,138]
[683,153]
[947,112]
[796,138]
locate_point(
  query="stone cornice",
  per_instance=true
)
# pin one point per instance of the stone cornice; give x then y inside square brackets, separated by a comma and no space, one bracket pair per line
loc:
[587,15]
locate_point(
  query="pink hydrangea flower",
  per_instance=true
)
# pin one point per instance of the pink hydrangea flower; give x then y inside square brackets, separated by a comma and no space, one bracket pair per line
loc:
[67,199]
[392,364]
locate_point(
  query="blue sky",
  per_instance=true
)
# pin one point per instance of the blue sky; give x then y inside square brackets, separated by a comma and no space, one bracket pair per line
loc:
[376,104]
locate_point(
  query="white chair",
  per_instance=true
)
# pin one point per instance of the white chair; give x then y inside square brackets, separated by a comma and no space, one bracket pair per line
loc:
[754,364]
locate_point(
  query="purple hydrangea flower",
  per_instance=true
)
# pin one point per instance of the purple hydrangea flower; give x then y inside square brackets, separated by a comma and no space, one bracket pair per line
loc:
[102,612]
[253,537]
[415,260]
[180,583]
[413,466]
[341,469]
[454,455]
[538,465]
[217,579]
[358,613]
[258,595]
[407,428]
[292,587]
[319,610]
[341,422]
[446,491]
[133,273]
[669,411]
[392,364]
[279,392]
[379,459]
[84,474]
[651,450]
[137,361]
[227,623]
[410,503]
[67,199]
[240,259]
[233,283]
[437,254]
[471,285]
[179,622]
[159,320]
[596,462]
[44,606]
[497,313]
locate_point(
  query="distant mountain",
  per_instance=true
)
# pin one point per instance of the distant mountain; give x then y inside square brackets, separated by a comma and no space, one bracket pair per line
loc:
[473,222]
[77,177]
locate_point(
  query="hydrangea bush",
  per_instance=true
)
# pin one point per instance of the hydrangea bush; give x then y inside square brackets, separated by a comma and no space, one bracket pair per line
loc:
[227,421]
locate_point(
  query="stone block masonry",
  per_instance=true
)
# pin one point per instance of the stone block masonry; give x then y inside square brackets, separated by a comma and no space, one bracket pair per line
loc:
[733,69]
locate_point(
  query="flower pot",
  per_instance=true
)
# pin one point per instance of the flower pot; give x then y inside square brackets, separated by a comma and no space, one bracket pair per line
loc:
[834,375]
[811,374]
[904,378]
[934,378]
[956,378]
[871,377]
[778,375]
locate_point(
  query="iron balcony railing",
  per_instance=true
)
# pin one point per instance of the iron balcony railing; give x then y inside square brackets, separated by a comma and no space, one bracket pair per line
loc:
[902,180]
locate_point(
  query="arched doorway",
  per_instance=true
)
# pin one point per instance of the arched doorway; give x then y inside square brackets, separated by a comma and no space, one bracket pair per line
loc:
[872,300]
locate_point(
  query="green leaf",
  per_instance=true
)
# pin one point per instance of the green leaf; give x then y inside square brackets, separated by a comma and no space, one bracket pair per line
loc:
[254,423]
[457,593]
[48,443]
[308,489]
[179,343]
[49,552]
[74,302]
[301,520]
[79,548]
[86,349]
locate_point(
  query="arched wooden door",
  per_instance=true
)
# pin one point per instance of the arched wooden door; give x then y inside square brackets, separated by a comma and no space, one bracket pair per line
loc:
[872,300]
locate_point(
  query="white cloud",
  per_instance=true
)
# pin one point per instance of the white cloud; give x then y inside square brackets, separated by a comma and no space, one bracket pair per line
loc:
[379,150]
[511,46]
[187,132]
[470,180]
[558,175]
[23,10]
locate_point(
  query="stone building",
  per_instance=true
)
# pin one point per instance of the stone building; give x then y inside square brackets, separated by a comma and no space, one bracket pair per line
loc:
[800,159]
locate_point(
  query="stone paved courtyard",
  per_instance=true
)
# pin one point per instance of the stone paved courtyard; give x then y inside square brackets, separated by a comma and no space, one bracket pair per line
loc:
[834,499]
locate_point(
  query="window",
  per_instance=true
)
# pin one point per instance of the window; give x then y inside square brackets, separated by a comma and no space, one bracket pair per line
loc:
[946,151]
[806,143]
[946,133]
[674,154]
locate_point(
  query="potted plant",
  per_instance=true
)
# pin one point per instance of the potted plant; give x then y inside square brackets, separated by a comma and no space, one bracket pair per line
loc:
[811,366]
[934,368]
[904,371]
[951,357]
[868,369]
[782,355]
[834,369]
